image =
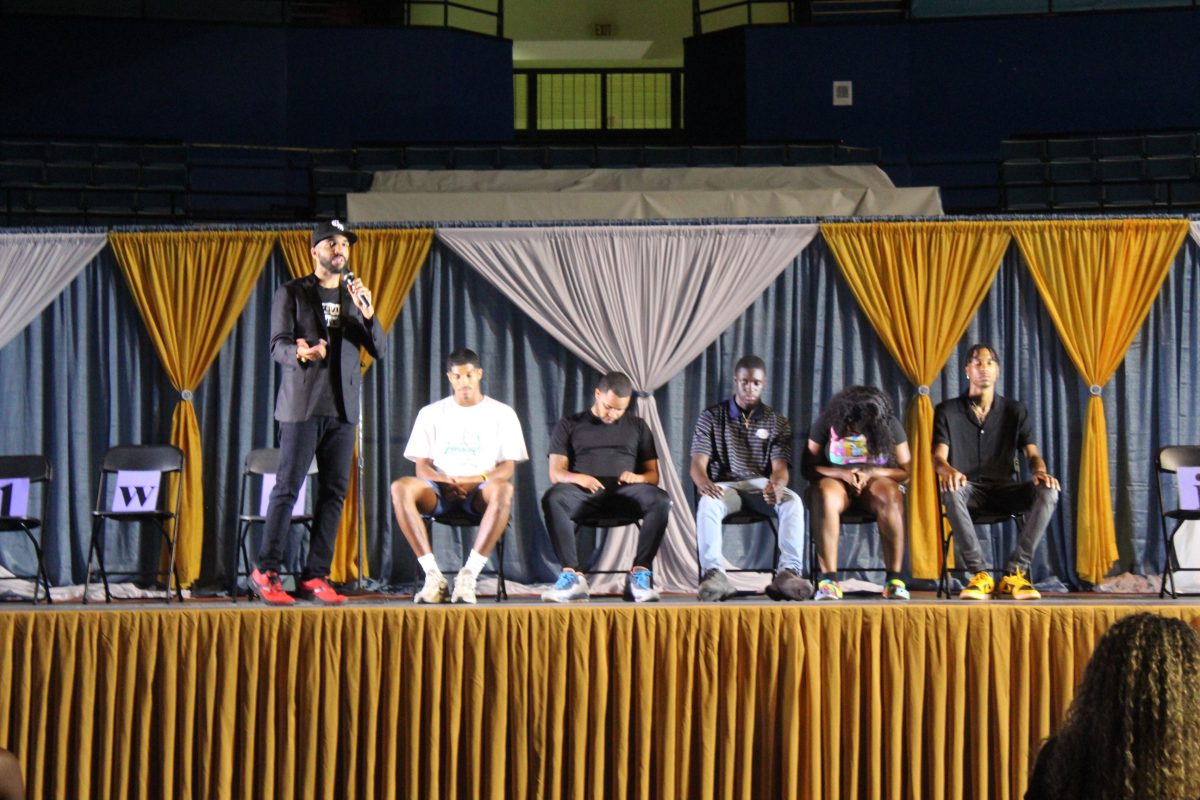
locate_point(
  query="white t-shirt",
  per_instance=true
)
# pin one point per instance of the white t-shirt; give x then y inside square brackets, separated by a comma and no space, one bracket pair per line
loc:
[466,440]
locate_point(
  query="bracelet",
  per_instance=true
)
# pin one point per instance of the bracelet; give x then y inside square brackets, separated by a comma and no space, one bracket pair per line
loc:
[484,476]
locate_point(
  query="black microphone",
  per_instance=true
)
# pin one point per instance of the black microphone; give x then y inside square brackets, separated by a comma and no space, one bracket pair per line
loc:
[350,279]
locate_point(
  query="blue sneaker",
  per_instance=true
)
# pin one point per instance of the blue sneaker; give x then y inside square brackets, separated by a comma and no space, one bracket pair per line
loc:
[571,586]
[639,586]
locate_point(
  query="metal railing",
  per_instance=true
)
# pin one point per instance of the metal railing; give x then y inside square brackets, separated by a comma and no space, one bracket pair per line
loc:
[619,100]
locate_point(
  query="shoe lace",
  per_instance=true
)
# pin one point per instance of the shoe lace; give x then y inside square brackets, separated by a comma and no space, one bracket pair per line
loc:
[565,580]
[641,578]
[274,582]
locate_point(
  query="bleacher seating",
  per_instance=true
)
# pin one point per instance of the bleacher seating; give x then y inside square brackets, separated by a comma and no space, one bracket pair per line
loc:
[1104,172]
[64,182]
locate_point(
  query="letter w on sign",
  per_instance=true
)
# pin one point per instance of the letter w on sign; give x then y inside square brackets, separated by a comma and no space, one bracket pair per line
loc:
[136,490]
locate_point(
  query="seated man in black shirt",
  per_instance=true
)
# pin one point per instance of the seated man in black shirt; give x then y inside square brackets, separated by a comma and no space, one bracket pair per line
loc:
[975,440]
[604,462]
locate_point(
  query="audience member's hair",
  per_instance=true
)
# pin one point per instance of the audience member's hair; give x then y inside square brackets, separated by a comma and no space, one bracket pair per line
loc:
[865,410]
[460,357]
[749,363]
[12,784]
[1133,729]
[616,382]
[980,346]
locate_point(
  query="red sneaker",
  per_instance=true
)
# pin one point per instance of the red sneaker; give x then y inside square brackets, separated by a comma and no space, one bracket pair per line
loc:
[320,590]
[268,586]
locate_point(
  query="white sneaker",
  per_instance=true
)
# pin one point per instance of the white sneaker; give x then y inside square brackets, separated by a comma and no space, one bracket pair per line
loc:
[639,586]
[464,588]
[434,590]
[571,586]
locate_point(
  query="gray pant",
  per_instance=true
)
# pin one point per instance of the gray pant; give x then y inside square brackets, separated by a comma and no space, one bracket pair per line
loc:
[1036,502]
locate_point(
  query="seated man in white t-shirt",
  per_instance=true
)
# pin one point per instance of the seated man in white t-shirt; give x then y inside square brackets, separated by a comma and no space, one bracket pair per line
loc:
[466,447]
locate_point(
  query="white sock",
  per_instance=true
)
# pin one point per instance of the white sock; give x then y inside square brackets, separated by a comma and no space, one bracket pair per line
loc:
[475,563]
[429,564]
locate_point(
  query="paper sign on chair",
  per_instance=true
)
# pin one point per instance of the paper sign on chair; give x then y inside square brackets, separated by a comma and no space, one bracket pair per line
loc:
[14,497]
[136,490]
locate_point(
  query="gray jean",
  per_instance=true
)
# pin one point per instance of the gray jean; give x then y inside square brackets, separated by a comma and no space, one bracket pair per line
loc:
[1036,502]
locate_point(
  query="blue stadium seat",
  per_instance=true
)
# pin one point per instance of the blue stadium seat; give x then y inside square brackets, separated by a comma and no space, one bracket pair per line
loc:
[1015,172]
[618,156]
[1121,169]
[520,157]
[1118,146]
[753,155]
[380,158]
[706,156]
[809,154]
[1170,144]
[476,158]
[571,157]
[427,158]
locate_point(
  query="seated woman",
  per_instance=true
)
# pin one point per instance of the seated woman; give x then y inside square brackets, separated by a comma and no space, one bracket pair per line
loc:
[1133,729]
[857,459]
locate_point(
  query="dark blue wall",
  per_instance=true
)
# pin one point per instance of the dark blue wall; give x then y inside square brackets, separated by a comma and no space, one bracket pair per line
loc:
[252,85]
[950,87]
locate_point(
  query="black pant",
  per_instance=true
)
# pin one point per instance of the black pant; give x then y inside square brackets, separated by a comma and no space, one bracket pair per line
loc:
[566,503]
[332,441]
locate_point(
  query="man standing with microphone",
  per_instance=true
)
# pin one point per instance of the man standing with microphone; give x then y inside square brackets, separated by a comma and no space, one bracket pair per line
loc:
[318,322]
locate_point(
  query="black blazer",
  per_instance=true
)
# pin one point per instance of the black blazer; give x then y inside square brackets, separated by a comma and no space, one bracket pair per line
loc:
[296,314]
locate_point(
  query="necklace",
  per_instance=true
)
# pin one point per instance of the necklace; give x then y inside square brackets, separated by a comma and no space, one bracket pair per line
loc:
[980,412]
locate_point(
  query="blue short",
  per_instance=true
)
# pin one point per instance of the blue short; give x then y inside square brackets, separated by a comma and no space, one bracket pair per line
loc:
[465,507]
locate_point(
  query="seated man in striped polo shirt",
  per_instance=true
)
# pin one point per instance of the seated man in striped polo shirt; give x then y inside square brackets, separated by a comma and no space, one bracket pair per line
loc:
[741,456]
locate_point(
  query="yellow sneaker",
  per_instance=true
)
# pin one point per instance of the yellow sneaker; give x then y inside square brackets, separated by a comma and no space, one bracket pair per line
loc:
[1018,587]
[979,588]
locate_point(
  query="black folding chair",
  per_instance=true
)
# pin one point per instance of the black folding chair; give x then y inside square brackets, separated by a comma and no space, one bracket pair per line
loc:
[1170,460]
[458,520]
[847,518]
[604,521]
[163,459]
[15,471]
[754,511]
[259,464]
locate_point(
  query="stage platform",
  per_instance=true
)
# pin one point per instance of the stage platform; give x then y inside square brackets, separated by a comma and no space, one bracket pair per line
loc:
[384,699]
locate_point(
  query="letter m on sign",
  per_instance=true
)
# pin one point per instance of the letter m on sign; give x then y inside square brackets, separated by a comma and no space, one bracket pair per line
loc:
[136,490]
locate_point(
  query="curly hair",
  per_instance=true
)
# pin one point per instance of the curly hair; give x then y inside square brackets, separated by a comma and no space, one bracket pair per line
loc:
[865,410]
[1133,729]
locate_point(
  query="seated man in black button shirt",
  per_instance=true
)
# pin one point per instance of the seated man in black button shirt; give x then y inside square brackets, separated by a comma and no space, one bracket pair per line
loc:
[604,462]
[975,440]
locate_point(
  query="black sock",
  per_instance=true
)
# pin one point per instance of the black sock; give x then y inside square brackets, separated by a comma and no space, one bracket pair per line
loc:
[831,576]
[894,576]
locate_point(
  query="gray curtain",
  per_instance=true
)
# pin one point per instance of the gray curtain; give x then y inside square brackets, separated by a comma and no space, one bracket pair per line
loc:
[643,299]
[35,269]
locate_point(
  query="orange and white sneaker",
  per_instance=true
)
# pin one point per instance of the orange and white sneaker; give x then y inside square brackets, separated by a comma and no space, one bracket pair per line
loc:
[1018,587]
[978,588]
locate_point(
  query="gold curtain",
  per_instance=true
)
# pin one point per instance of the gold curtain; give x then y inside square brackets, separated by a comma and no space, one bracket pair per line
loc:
[190,289]
[387,261]
[919,283]
[1098,279]
[929,702]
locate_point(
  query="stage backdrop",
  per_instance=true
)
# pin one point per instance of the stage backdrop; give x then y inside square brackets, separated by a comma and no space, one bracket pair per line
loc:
[84,375]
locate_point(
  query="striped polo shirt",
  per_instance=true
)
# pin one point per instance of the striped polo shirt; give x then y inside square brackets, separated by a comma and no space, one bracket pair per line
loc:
[741,445]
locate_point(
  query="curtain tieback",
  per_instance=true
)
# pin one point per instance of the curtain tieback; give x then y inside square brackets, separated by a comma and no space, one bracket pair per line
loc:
[923,390]
[1094,389]
[186,395]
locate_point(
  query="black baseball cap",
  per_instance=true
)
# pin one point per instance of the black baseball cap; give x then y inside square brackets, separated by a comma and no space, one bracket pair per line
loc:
[333,227]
